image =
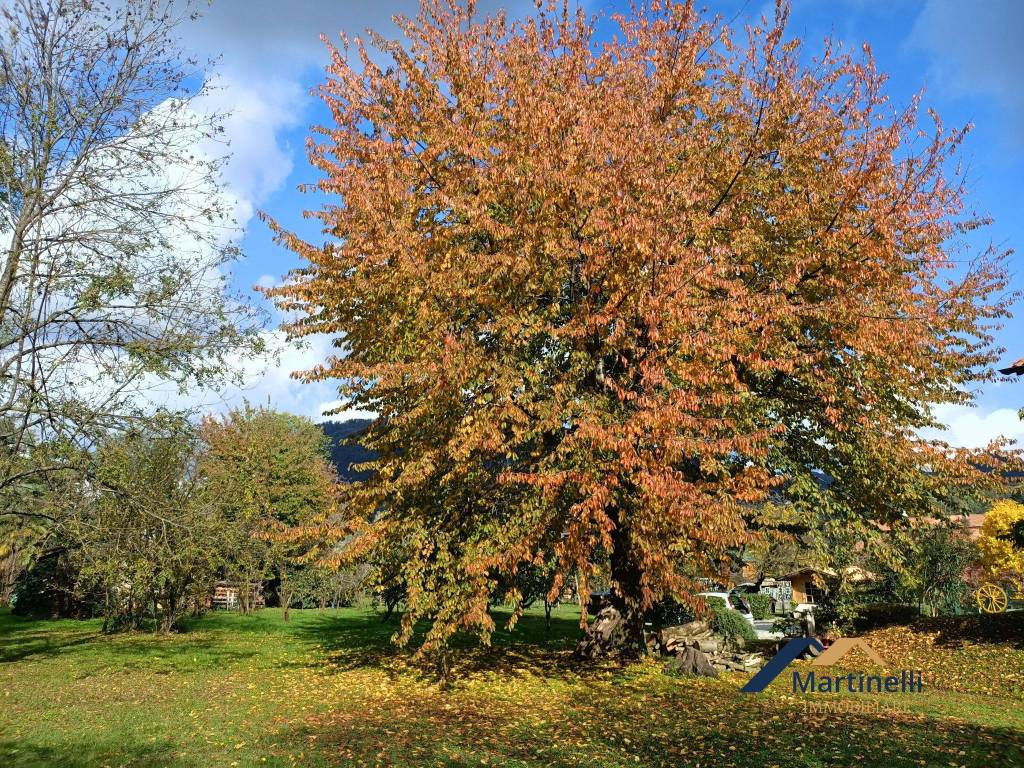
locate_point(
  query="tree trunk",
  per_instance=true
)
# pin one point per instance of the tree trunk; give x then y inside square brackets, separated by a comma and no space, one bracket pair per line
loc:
[691,661]
[618,629]
[171,612]
[285,596]
[166,620]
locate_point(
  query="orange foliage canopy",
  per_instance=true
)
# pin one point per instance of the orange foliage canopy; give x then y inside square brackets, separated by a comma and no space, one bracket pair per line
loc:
[607,296]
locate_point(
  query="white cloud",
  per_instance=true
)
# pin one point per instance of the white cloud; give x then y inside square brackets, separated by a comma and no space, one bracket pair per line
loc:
[256,117]
[265,48]
[975,427]
[268,36]
[267,380]
[266,281]
[346,414]
[976,49]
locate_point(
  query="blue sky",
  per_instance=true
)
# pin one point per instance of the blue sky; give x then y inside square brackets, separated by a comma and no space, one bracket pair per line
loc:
[966,55]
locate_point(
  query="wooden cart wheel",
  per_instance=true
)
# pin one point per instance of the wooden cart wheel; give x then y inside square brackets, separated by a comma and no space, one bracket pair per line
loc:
[991,598]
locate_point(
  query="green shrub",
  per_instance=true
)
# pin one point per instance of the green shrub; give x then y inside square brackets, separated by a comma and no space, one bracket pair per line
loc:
[877,615]
[837,609]
[728,622]
[760,605]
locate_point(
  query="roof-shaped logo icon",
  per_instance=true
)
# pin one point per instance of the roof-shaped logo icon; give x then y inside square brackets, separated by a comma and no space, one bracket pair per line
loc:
[798,645]
[843,646]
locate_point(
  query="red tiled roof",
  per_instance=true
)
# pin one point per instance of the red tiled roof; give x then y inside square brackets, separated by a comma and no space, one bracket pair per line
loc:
[1015,369]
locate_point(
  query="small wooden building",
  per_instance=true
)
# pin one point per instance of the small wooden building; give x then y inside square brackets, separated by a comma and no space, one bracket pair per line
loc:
[227,595]
[808,584]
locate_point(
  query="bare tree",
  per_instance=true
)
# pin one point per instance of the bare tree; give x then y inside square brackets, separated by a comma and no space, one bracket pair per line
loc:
[116,225]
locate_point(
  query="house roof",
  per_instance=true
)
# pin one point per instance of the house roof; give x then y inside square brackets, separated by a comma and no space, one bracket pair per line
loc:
[1014,369]
[974,523]
[853,572]
[971,521]
[807,570]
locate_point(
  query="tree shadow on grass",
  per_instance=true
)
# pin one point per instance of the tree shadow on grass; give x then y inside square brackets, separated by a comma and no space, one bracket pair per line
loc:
[27,754]
[537,706]
[954,631]
[41,639]
[613,725]
[36,641]
[37,647]
[354,642]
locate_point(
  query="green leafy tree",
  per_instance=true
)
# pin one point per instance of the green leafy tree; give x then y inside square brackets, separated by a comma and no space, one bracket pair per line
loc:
[532,582]
[112,221]
[23,522]
[145,534]
[268,475]
[942,554]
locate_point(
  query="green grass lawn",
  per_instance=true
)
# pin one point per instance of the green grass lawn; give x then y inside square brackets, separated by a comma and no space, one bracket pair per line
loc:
[327,689]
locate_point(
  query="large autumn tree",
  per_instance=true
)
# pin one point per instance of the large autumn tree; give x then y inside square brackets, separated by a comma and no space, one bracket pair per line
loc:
[610,296]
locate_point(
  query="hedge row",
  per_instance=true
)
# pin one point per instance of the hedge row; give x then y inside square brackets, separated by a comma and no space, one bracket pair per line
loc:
[760,605]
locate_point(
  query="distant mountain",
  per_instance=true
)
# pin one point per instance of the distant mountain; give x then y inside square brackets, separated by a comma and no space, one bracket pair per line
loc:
[345,448]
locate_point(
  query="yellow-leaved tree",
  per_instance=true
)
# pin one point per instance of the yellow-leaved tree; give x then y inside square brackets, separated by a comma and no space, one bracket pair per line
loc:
[1002,542]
